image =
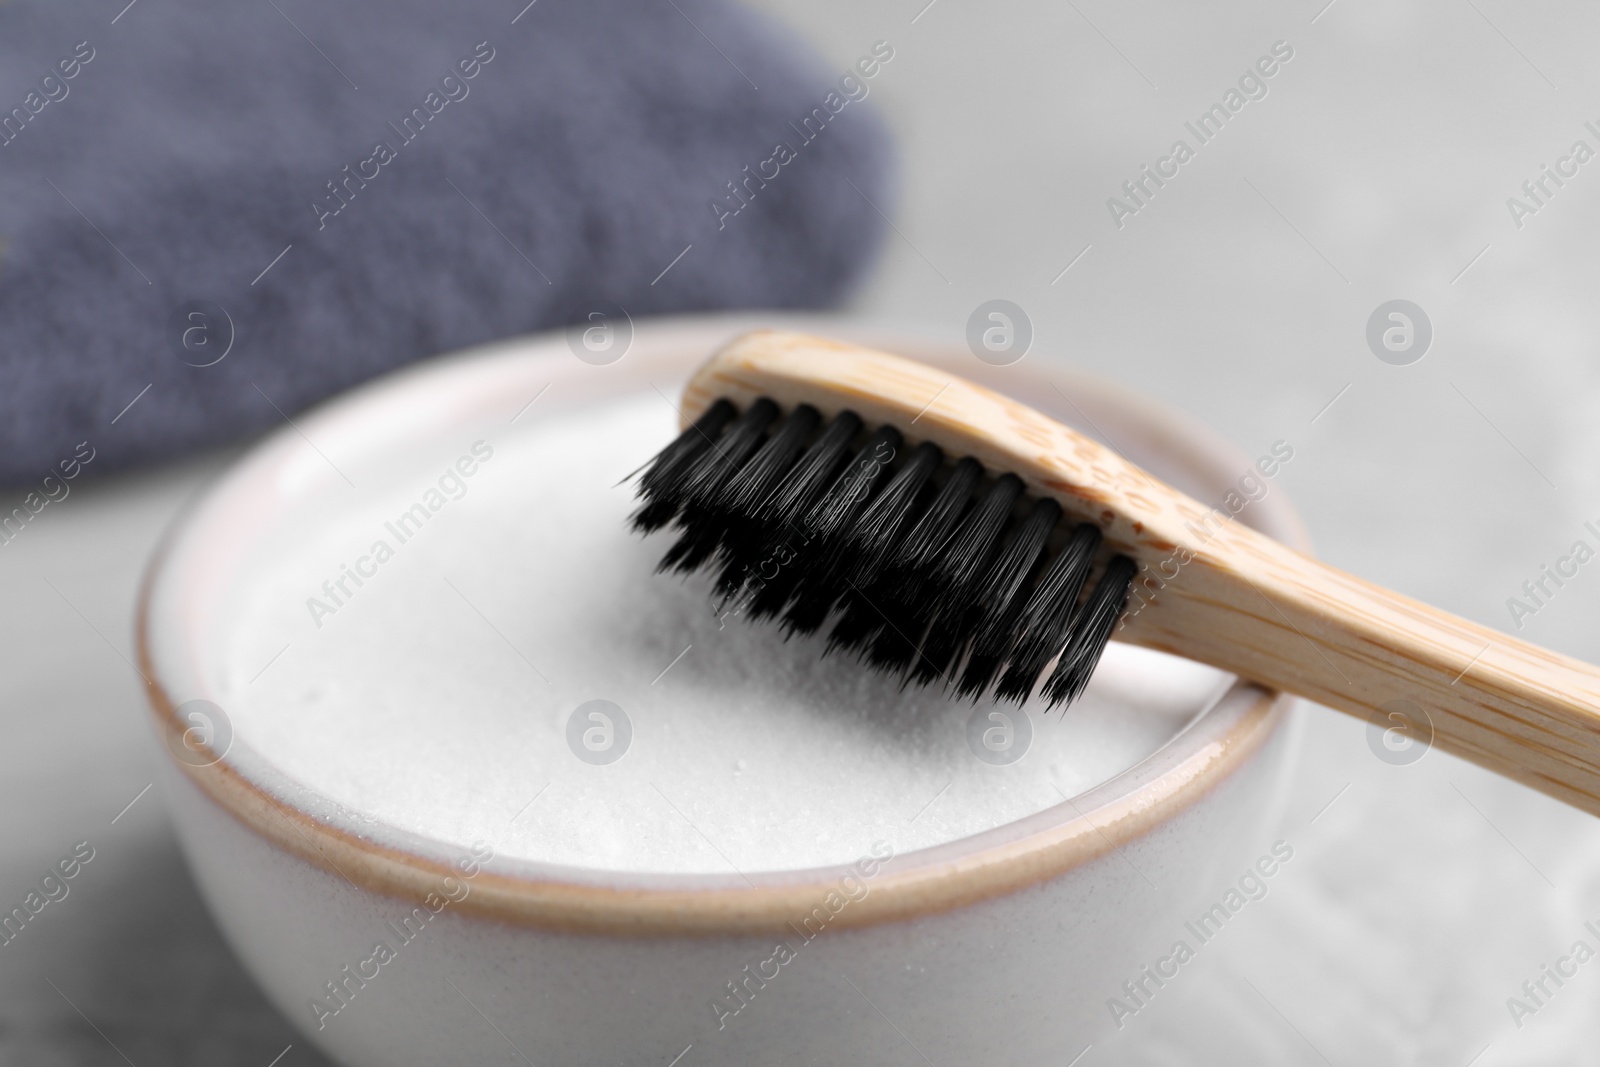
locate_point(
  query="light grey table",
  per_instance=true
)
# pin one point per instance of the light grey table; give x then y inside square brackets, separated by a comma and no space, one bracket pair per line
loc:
[1377,166]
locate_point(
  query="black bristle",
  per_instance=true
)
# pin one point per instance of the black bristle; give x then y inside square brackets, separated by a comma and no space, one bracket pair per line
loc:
[702,527]
[951,586]
[927,538]
[854,486]
[1047,617]
[755,481]
[854,552]
[696,544]
[717,465]
[932,576]
[816,535]
[812,474]
[879,621]
[661,485]
[1091,629]
[863,546]
[967,552]
[893,647]
[991,615]
[753,554]
[871,537]
[733,508]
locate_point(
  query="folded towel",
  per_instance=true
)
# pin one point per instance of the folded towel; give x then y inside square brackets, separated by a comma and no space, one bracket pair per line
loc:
[221,213]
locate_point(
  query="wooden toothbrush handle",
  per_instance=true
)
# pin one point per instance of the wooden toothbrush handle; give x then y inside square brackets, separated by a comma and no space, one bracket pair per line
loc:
[1210,588]
[1266,612]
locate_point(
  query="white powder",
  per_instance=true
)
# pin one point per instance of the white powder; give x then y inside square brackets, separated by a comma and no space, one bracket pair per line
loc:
[435,698]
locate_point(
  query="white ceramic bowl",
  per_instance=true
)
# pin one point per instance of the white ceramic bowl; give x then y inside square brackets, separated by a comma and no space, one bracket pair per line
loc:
[1000,946]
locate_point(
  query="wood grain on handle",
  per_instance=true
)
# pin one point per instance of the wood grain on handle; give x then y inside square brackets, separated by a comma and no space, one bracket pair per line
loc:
[1209,588]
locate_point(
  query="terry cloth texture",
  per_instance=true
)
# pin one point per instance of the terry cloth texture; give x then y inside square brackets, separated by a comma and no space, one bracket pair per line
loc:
[362,184]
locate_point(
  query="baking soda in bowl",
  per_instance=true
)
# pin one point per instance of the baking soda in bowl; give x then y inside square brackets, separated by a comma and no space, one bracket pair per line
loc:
[470,644]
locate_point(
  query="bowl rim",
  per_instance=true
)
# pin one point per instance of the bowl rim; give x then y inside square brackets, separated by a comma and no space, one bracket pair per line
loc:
[405,865]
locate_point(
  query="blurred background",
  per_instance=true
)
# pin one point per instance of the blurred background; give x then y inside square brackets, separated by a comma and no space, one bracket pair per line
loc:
[1380,165]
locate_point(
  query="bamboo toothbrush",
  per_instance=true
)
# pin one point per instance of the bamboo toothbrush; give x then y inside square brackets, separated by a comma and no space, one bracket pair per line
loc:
[950,533]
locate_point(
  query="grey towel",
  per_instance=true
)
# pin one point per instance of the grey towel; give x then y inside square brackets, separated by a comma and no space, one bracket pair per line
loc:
[326,191]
